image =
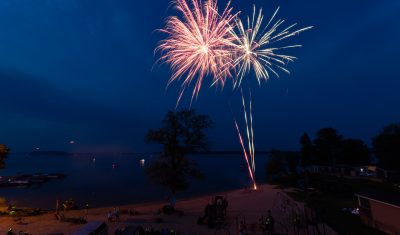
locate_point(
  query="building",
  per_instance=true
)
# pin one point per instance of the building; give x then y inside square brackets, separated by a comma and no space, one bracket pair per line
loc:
[380,210]
[389,175]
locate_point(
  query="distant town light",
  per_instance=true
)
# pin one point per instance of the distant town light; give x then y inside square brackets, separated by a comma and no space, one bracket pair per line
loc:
[142,162]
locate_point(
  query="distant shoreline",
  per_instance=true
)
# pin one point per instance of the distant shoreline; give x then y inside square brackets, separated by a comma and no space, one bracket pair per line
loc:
[52,153]
[65,153]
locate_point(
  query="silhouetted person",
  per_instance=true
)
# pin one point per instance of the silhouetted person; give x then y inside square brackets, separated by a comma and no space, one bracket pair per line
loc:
[269,223]
[57,206]
[87,208]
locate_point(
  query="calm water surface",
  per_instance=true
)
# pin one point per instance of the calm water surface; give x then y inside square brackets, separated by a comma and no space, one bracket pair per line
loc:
[99,184]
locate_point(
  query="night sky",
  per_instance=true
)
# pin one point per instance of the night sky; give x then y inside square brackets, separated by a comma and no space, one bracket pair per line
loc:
[83,70]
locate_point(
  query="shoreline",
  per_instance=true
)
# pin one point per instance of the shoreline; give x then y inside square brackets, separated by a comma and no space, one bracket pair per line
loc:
[242,203]
[193,207]
[149,202]
[157,202]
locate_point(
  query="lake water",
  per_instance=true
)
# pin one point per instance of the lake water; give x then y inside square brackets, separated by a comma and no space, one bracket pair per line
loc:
[99,184]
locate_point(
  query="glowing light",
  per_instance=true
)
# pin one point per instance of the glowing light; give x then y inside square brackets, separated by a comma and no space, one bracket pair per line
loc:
[142,162]
[254,49]
[198,44]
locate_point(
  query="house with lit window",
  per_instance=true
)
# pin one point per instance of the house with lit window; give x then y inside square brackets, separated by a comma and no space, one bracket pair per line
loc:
[380,210]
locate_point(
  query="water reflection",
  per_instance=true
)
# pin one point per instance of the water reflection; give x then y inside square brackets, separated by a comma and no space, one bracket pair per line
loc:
[118,179]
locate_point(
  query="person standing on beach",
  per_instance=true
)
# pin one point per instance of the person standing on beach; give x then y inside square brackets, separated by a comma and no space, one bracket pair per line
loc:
[109,216]
[116,213]
[57,207]
[270,223]
[87,208]
[173,201]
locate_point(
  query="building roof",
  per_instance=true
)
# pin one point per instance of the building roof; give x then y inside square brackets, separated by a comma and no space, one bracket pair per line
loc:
[390,198]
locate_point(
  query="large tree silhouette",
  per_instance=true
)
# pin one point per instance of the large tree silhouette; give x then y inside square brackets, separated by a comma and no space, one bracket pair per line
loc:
[182,132]
[327,146]
[387,146]
[354,152]
[307,150]
[330,148]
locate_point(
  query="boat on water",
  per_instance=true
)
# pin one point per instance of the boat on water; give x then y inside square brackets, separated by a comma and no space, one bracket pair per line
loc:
[9,182]
[28,179]
[19,182]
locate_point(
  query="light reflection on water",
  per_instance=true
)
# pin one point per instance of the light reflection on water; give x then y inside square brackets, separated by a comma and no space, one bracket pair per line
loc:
[107,180]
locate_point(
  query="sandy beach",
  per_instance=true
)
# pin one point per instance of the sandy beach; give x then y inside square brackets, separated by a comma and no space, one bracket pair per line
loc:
[242,204]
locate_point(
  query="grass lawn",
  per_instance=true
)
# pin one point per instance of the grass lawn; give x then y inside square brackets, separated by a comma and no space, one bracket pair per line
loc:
[342,222]
[333,195]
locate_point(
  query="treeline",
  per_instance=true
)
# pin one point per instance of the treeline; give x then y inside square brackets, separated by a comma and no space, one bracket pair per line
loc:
[331,148]
[4,150]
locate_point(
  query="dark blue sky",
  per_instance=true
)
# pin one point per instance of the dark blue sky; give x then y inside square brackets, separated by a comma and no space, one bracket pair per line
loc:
[82,70]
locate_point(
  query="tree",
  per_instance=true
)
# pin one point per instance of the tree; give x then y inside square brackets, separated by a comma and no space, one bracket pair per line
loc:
[182,132]
[386,146]
[4,150]
[354,152]
[327,146]
[282,162]
[307,150]
[293,160]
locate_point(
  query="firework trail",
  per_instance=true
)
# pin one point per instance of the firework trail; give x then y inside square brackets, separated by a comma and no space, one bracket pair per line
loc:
[254,46]
[249,130]
[198,44]
[252,134]
[249,168]
[250,152]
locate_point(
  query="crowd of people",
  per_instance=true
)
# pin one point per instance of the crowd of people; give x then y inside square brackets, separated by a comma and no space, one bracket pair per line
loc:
[113,216]
[266,225]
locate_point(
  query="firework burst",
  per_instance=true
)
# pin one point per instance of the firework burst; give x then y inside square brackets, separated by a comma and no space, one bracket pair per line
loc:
[254,46]
[198,43]
[202,43]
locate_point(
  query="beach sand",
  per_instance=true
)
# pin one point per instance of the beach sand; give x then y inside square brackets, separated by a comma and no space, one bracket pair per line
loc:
[247,204]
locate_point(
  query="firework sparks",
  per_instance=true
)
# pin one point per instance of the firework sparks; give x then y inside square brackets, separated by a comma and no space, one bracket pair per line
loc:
[198,44]
[250,153]
[254,46]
